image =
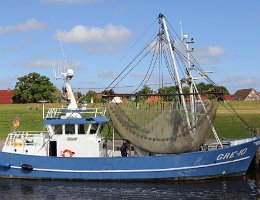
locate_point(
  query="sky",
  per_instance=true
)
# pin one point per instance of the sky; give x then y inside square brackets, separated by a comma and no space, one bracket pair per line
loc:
[97,36]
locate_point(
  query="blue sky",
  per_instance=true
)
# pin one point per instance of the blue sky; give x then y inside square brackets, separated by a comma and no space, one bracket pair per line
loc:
[97,34]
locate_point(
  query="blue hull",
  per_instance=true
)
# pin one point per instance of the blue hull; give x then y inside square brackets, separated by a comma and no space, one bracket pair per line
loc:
[220,162]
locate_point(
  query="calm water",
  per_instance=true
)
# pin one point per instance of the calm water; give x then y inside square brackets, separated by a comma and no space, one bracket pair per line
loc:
[245,187]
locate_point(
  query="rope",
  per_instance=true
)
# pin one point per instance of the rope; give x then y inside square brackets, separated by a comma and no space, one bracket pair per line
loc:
[147,70]
[134,66]
[129,50]
[146,46]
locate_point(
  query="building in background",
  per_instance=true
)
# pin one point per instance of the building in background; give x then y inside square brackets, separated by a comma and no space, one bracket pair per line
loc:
[246,95]
[6,96]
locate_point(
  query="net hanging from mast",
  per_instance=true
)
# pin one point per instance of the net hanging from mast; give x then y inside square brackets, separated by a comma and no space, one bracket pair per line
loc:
[161,127]
[175,126]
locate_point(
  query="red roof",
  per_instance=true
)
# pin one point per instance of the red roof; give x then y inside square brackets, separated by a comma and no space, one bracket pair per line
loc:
[123,99]
[228,97]
[6,96]
[153,99]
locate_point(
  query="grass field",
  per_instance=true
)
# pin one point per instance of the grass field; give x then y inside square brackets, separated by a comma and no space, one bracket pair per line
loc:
[226,124]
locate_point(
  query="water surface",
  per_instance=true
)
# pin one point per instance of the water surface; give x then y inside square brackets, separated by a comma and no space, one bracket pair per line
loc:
[243,187]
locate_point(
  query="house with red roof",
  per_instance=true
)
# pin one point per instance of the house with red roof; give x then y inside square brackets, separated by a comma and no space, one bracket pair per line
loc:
[228,97]
[153,99]
[6,96]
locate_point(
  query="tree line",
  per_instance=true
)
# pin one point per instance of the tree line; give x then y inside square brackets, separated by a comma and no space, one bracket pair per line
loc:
[33,88]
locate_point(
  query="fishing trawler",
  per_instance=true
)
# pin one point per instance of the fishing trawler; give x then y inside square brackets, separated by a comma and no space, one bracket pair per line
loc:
[170,144]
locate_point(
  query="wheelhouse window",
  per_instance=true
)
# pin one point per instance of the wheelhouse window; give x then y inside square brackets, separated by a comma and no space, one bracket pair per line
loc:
[82,128]
[69,129]
[57,129]
[93,129]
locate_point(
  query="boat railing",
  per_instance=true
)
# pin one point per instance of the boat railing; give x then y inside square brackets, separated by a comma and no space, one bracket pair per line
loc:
[53,112]
[57,112]
[22,138]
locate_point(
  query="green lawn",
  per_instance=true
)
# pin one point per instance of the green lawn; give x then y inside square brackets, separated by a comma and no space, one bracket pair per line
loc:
[226,124]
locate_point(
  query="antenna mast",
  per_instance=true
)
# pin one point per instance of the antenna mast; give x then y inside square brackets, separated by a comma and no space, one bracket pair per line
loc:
[194,90]
[66,74]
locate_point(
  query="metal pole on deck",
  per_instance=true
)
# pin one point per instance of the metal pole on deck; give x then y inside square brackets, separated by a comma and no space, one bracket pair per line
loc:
[113,150]
[43,103]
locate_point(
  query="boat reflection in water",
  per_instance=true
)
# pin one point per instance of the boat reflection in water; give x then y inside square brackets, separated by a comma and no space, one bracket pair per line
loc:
[246,187]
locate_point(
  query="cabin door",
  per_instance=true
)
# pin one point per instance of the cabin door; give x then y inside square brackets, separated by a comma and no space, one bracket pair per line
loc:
[53,148]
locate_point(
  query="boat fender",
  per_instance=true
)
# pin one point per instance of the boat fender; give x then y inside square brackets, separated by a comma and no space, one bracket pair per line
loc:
[4,165]
[26,167]
[67,151]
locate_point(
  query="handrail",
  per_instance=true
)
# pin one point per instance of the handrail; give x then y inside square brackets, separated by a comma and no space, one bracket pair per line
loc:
[24,135]
[57,112]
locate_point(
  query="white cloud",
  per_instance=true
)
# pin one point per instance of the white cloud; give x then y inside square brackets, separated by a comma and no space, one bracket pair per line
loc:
[69,1]
[28,25]
[208,54]
[109,34]
[49,64]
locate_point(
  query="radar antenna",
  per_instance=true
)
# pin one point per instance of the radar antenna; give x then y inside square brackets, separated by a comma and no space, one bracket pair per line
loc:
[65,73]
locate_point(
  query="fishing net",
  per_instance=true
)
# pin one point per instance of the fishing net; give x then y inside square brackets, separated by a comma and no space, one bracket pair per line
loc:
[162,127]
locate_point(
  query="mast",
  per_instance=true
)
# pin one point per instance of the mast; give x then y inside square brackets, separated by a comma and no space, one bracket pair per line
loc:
[194,90]
[174,66]
[190,80]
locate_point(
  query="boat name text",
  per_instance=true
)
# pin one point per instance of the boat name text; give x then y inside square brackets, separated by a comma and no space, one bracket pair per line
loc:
[232,154]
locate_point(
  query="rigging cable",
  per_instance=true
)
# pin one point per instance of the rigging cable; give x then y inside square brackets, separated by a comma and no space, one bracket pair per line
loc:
[134,65]
[232,110]
[146,46]
[168,67]
[129,50]
[147,70]
[200,69]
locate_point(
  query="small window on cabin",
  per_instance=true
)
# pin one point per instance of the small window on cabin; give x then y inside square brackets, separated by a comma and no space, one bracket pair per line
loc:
[69,129]
[57,129]
[82,128]
[93,128]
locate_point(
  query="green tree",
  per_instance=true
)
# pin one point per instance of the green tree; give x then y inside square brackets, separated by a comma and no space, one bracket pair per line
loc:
[203,87]
[169,90]
[32,88]
[223,89]
[145,90]
[89,95]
